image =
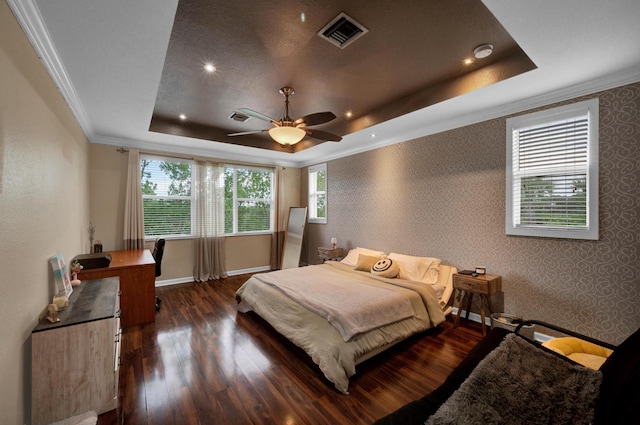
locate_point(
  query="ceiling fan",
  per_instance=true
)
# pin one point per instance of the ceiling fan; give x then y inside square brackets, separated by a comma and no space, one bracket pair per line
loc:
[288,131]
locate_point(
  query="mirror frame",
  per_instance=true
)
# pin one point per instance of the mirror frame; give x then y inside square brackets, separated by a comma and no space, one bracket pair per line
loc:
[293,237]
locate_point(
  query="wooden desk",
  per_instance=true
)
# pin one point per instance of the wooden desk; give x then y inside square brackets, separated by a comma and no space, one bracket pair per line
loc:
[137,271]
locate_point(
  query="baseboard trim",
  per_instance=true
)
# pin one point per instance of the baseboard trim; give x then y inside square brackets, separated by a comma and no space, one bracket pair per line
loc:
[176,281]
[189,279]
[251,270]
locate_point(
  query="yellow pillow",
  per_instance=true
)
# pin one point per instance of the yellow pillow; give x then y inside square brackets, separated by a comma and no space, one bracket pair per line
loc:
[365,262]
[580,351]
[591,361]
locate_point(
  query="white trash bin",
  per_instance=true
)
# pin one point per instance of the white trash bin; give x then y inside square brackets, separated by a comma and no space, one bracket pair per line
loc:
[511,322]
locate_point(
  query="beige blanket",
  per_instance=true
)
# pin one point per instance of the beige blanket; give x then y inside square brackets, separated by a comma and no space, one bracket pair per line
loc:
[351,306]
[336,358]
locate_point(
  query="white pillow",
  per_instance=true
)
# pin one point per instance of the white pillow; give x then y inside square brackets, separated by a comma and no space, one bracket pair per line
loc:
[418,269]
[385,267]
[352,257]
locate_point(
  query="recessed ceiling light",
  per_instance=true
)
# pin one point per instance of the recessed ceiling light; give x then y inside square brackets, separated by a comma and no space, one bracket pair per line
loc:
[373,135]
[483,51]
[467,61]
[182,117]
[209,67]
[348,114]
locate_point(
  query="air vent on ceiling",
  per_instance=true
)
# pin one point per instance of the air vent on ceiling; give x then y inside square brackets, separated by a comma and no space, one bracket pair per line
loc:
[342,31]
[237,116]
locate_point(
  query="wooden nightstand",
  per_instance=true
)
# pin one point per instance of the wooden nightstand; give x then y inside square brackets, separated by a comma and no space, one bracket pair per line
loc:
[328,253]
[466,286]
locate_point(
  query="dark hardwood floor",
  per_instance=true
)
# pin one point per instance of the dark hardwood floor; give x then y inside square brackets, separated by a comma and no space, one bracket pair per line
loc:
[203,362]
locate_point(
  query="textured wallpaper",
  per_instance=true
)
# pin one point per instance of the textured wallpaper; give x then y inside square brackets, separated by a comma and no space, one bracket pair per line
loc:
[444,196]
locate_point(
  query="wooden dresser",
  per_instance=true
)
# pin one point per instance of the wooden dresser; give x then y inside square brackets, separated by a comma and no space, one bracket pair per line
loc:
[75,361]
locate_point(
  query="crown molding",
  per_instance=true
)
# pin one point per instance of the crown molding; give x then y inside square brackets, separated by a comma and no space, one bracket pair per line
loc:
[629,76]
[29,18]
[190,151]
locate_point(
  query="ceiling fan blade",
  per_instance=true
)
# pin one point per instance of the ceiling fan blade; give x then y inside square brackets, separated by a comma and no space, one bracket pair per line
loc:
[246,133]
[258,115]
[322,135]
[315,119]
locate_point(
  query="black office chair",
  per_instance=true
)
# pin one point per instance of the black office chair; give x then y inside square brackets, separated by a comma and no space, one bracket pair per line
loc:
[158,252]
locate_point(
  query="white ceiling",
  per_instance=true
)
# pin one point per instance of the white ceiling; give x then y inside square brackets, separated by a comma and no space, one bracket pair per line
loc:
[579,47]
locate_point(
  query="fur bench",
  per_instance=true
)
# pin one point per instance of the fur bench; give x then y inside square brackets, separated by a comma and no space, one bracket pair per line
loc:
[617,401]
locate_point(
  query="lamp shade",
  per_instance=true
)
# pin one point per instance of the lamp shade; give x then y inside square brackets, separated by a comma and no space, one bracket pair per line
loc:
[287,135]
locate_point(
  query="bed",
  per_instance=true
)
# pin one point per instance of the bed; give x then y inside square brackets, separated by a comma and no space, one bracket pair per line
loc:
[341,314]
[569,394]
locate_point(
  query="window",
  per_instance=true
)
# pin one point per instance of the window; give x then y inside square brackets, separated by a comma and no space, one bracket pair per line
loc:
[166,196]
[248,200]
[552,173]
[318,194]
[168,202]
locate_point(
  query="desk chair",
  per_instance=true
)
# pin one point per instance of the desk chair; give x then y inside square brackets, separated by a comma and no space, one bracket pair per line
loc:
[158,252]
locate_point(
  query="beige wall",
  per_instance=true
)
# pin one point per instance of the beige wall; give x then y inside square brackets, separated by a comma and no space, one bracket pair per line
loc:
[108,182]
[44,204]
[444,196]
[108,186]
[247,252]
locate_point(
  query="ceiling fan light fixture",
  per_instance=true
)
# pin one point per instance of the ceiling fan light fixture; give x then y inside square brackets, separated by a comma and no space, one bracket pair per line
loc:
[287,136]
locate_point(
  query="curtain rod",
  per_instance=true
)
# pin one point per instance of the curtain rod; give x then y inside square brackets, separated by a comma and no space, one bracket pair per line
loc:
[123,150]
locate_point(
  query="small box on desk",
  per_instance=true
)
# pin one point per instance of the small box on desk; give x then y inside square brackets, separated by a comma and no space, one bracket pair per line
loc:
[97,260]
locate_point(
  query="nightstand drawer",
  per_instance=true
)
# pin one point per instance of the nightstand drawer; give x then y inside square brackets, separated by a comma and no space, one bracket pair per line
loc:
[329,253]
[483,284]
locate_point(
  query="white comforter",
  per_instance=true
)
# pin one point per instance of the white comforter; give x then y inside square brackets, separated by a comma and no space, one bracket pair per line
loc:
[318,337]
[351,306]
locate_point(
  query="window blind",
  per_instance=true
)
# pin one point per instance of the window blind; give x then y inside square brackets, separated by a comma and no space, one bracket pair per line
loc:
[166,196]
[248,199]
[550,174]
[318,194]
[167,217]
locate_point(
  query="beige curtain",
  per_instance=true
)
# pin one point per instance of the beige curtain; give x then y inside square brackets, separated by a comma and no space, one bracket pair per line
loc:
[208,226]
[277,239]
[133,212]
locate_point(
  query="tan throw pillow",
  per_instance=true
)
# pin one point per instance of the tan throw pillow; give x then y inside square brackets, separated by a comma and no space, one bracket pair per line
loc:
[365,262]
[352,257]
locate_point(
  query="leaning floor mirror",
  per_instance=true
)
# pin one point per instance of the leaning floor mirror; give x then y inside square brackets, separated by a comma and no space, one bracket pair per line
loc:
[293,237]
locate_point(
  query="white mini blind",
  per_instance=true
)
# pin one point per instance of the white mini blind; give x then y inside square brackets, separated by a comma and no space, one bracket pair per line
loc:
[249,205]
[166,196]
[552,164]
[317,193]
[551,173]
